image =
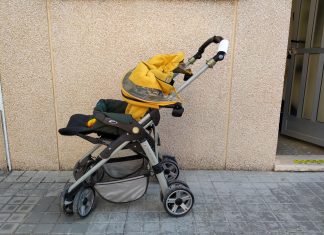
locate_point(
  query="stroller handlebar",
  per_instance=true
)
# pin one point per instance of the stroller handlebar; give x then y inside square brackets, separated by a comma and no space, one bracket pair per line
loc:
[223,46]
[201,50]
[222,51]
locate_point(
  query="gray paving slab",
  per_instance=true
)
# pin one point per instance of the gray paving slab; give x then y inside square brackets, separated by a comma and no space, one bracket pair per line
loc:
[43,228]
[25,229]
[24,208]
[8,228]
[226,202]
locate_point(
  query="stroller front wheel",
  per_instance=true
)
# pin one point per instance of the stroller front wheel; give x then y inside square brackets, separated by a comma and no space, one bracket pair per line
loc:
[84,201]
[178,201]
[66,205]
[171,169]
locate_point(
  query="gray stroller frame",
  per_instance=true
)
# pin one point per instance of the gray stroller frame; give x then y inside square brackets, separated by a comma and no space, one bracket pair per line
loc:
[78,197]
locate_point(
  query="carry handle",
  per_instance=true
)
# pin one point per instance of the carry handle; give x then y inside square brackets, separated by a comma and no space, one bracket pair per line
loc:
[201,50]
[222,51]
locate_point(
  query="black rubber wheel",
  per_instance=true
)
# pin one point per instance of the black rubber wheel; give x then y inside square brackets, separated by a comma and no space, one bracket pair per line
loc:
[171,169]
[81,166]
[67,206]
[169,157]
[178,201]
[174,183]
[84,201]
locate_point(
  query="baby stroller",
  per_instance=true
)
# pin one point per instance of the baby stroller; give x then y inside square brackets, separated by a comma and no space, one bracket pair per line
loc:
[126,141]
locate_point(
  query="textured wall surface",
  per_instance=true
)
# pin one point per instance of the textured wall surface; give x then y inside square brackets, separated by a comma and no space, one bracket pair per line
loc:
[258,71]
[27,84]
[59,57]
[96,42]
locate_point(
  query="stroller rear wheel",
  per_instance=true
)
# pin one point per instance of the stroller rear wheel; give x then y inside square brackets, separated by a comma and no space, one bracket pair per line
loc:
[178,201]
[84,201]
[171,169]
[80,169]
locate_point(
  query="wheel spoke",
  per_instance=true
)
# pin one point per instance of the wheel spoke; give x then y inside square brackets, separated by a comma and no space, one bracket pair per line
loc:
[82,210]
[186,198]
[178,194]
[172,174]
[174,208]
[172,168]
[171,200]
[184,207]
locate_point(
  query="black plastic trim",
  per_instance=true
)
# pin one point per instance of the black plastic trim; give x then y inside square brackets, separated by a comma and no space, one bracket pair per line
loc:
[158,168]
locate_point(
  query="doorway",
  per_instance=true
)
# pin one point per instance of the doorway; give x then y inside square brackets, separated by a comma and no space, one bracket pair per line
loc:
[303,110]
[302,117]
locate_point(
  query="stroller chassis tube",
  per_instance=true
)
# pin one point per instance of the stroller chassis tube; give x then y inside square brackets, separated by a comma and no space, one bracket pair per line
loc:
[91,151]
[154,161]
[103,161]
[96,167]
[194,77]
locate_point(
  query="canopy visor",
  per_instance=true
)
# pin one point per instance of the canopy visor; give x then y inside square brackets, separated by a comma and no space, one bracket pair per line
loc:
[145,93]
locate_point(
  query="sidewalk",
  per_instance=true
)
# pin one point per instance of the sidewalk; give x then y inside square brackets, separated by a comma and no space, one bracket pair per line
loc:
[226,202]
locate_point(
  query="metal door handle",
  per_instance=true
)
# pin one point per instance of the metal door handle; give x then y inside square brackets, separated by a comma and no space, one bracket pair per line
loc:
[297,41]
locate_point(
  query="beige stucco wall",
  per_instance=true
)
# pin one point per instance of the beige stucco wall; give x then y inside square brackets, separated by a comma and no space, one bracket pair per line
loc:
[25,68]
[58,58]
[258,73]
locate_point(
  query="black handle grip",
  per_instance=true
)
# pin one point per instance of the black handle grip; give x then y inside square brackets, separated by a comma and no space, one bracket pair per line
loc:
[201,50]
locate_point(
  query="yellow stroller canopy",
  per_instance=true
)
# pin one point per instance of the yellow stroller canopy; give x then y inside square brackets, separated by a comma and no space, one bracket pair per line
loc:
[149,85]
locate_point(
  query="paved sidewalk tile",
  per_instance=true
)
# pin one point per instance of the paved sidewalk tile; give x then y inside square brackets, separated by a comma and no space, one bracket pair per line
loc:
[8,228]
[25,229]
[43,228]
[226,203]
[16,218]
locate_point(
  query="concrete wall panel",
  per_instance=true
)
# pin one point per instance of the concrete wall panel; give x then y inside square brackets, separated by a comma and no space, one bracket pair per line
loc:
[25,69]
[96,42]
[258,71]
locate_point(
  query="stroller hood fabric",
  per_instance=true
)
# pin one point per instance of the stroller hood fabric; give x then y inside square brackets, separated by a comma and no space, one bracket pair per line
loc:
[148,85]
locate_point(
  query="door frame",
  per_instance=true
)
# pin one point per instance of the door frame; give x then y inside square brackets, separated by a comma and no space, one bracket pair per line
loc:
[5,132]
[296,126]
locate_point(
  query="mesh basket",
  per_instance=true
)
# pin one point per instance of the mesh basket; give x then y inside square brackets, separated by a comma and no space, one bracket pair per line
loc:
[125,179]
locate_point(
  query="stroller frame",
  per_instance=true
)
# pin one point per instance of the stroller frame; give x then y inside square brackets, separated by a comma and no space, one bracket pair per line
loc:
[118,145]
[138,133]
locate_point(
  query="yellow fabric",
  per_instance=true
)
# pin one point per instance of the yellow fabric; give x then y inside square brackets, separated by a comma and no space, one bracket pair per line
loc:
[136,111]
[91,122]
[157,70]
[156,73]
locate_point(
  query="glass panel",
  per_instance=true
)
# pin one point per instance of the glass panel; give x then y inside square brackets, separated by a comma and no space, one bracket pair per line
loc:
[310,85]
[303,22]
[298,67]
[319,25]
[320,114]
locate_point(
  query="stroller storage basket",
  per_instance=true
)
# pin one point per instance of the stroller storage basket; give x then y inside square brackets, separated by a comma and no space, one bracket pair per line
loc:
[123,190]
[124,179]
